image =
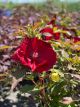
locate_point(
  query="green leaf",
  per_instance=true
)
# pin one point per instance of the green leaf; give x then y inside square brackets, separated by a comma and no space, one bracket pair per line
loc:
[19,71]
[43,74]
[29,77]
[58,88]
[69,105]
[36,90]
[18,74]
[27,88]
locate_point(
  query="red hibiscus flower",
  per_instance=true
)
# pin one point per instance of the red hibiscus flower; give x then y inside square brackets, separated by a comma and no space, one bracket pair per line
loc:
[76,39]
[35,54]
[49,33]
[71,35]
[53,20]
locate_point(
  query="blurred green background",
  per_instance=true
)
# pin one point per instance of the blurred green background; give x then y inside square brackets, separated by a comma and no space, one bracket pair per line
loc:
[68,5]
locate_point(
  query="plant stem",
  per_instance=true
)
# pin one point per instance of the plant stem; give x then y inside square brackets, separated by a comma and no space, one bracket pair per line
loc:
[43,93]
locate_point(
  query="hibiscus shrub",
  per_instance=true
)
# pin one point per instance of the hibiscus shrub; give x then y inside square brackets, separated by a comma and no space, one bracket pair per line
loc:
[49,57]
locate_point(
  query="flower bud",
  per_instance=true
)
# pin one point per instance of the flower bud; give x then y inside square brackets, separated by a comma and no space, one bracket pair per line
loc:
[55,77]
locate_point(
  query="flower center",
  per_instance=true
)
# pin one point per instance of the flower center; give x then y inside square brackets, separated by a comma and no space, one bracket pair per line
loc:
[35,54]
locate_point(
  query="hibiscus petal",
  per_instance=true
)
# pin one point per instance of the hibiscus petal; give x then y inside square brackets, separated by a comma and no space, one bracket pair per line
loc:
[38,55]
